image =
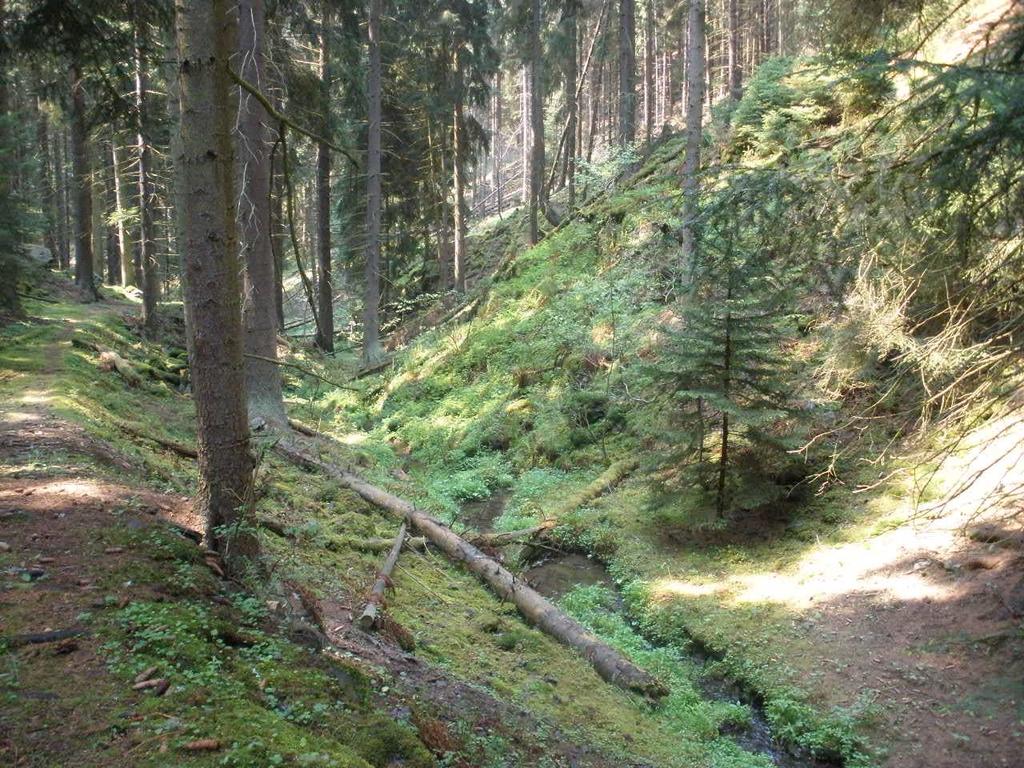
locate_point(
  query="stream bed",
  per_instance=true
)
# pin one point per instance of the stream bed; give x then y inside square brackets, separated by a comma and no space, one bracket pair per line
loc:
[555,574]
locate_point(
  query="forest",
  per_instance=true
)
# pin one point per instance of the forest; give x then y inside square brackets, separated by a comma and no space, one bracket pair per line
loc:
[512,383]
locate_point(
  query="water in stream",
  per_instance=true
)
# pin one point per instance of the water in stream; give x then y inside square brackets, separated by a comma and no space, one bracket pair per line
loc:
[555,574]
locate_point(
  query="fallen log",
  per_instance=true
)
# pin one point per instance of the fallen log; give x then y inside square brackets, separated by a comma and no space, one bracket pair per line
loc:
[373,544]
[368,618]
[36,638]
[608,662]
[112,361]
[511,537]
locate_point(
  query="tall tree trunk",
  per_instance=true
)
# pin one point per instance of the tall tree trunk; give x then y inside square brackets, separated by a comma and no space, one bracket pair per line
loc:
[147,246]
[112,216]
[496,142]
[694,128]
[627,72]
[127,257]
[325,286]
[80,174]
[572,92]
[458,163]
[536,120]
[650,90]
[372,351]
[206,39]
[525,145]
[259,309]
[46,172]
[63,214]
[735,51]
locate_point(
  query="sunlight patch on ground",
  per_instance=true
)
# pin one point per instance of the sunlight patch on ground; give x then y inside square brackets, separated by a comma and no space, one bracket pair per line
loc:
[980,483]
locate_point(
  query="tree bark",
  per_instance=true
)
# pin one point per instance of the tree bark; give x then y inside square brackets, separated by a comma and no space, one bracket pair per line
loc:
[259,308]
[206,38]
[325,285]
[147,246]
[372,351]
[127,257]
[607,662]
[627,72]
[536,120]
[694,128]
[80,174]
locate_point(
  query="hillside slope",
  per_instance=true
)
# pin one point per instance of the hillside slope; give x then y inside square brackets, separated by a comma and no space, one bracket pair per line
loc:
[877,613]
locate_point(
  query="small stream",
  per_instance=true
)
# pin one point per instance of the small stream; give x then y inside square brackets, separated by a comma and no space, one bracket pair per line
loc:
[555,574]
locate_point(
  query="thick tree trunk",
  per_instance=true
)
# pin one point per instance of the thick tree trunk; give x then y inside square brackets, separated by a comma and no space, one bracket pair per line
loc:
[147,245]
[325,285]
[694,128]
[372,352]
[627,72]
[80,176]
[259,306]
[458,161]
[609,663]
[206,38]
[536,121]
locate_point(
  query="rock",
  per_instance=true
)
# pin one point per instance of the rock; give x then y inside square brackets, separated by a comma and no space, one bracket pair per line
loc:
[4,546]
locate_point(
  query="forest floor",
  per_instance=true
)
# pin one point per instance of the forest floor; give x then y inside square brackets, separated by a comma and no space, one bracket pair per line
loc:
[895,627]
[97,544]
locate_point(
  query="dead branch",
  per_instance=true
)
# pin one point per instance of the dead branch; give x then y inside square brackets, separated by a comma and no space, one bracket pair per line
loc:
[368,618]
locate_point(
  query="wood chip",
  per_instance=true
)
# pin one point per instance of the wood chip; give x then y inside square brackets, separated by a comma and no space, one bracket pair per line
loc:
[113,550]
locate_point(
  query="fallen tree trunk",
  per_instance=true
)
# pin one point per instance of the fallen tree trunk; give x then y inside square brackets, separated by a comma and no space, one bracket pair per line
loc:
[368,618]
[608,662]
[112,361]
[373,544]
[511,537]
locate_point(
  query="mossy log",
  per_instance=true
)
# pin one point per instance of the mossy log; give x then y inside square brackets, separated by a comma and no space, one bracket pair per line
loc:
[608,662]
[112,361]
[368,618]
